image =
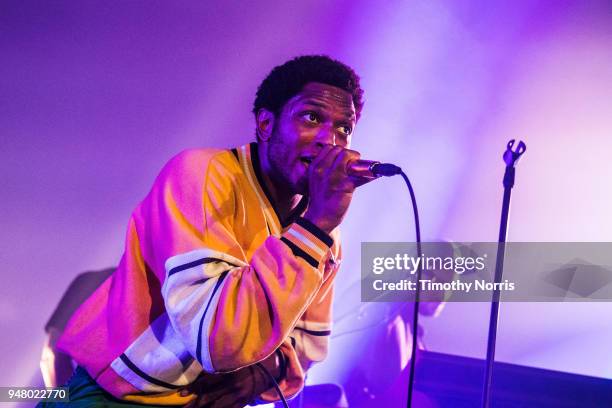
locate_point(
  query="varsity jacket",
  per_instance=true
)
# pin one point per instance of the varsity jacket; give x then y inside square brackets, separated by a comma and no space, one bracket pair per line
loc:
[210,280]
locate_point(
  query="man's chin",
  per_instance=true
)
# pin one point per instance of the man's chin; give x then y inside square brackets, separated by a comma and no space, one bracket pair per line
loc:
[302,188]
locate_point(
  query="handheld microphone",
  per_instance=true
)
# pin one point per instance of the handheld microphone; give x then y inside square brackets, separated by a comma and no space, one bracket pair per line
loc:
[371,169]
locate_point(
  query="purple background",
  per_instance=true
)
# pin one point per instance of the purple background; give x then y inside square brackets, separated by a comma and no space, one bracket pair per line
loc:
[95,97]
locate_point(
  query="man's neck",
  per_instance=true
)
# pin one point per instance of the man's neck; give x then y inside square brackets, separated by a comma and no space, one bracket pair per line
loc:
[283,201]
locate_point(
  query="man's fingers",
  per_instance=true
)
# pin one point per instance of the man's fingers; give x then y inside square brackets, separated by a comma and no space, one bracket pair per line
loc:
[234,389]
[337,172]
[208,381]
[360,181]
[230,401]
[342,160]
[207,388]
[321,156]
[332,161]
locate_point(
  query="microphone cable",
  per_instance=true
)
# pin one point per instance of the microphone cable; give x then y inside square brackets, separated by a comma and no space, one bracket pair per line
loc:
[385,169]
[415,314]
[378,169]
[274,383]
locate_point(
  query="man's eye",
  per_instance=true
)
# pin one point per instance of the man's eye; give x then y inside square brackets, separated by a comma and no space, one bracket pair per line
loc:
[311,117]
[346,130]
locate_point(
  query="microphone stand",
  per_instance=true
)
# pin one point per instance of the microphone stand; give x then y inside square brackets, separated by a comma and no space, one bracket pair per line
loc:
[510,158]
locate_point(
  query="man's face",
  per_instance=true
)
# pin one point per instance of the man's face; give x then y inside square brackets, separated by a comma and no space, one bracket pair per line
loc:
[318,115]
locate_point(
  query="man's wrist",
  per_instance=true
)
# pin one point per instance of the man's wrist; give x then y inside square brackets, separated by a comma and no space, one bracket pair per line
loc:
[320,223]
[307,241]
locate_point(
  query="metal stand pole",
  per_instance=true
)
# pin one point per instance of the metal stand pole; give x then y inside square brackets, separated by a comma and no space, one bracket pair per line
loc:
[510,158]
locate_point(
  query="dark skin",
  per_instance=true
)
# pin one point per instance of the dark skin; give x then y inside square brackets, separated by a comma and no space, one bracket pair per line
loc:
[304,150]
[232,390]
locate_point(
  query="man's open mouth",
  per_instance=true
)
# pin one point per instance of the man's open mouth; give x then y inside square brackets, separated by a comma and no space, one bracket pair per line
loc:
[306,159]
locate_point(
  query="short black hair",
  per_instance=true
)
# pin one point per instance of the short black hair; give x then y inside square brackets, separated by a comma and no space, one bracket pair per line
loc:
[287,80]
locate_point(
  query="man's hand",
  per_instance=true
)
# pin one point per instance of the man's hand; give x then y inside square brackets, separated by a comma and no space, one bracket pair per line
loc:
[232,390]
[330,188]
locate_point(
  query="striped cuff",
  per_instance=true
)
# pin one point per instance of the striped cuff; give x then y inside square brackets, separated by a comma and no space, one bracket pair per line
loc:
[307,241]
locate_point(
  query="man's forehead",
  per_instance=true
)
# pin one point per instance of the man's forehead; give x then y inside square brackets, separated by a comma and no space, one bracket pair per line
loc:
[318,93]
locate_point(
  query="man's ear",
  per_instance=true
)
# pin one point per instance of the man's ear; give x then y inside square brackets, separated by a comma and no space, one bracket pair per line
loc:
[265,124]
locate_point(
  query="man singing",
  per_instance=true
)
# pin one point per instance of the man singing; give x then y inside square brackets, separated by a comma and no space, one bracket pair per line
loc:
[230,260]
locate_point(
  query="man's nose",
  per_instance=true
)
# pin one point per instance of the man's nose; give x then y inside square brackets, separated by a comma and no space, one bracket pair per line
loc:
[326,136]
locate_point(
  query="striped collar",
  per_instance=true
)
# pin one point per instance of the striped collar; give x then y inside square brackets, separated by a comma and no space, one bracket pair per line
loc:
[248,158]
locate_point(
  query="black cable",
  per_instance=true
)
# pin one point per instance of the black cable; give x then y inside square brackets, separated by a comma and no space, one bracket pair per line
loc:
[387,169]
[415,314]
[274,383]
[392,170]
